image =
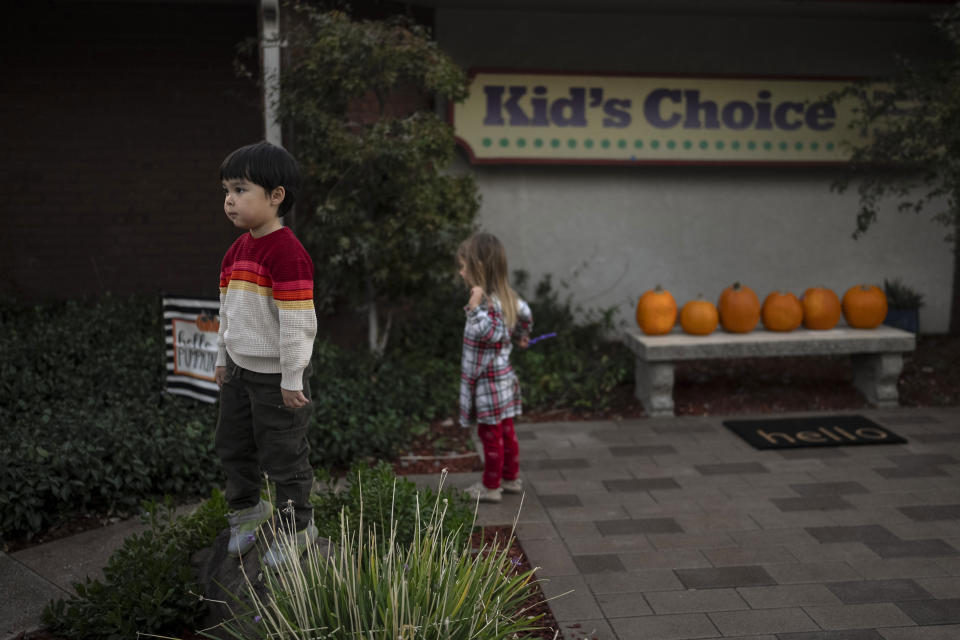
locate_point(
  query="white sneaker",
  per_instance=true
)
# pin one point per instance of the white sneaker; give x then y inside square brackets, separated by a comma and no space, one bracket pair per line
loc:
[244,525]
[512,486]
[282,550]
[479,492]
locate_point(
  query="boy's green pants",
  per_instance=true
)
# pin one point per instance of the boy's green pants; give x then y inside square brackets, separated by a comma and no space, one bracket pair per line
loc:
[257,434]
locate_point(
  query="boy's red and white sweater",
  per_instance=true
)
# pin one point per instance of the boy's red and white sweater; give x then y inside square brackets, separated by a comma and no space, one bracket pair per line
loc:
[267,319]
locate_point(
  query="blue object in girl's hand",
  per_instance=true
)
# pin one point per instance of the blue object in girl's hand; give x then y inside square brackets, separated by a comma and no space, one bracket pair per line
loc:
[541,337]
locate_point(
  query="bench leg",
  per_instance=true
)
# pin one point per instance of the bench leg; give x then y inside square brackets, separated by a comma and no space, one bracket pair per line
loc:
[876,375]
[655,387]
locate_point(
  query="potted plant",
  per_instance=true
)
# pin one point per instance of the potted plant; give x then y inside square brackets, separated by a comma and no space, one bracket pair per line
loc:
[903,305]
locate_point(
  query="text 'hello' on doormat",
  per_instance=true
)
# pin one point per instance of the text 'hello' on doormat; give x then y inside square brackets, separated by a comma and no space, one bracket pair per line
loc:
[818,431]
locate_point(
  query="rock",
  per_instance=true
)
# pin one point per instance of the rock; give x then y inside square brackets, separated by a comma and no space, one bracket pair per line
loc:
[225,583]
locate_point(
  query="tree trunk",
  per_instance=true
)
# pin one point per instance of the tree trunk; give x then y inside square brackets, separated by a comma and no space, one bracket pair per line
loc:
[373,323]
[376,338]
[955,298]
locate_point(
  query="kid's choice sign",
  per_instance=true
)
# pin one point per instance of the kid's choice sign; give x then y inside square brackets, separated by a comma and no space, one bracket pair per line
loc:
[547,118]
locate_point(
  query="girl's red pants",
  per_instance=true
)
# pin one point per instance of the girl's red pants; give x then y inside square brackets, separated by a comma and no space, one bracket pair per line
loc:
[500,452]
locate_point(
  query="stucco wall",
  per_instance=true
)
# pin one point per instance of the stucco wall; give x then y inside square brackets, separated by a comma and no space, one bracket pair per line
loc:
[613,232]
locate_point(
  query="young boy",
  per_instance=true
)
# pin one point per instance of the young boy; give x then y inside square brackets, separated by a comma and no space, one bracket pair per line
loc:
[267,327]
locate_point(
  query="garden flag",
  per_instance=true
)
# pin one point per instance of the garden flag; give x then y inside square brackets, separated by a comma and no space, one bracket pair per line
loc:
[190,328]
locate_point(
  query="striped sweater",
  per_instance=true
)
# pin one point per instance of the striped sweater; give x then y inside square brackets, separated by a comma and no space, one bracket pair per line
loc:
[267,320]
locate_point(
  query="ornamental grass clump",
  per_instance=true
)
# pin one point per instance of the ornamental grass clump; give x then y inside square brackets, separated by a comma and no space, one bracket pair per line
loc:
[369,588]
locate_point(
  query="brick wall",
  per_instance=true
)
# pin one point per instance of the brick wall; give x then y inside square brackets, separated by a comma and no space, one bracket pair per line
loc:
[114,119]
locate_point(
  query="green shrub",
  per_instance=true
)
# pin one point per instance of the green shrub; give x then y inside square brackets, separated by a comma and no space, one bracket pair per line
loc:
[383,498]
[102,465]
[86,426]
[365,407]
[581,366]
[901,296]
[147,582]
[433,325]
[578,369]
[375,586]
[84,356]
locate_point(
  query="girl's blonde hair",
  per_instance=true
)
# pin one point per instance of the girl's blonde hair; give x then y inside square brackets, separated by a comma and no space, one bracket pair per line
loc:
[485,262]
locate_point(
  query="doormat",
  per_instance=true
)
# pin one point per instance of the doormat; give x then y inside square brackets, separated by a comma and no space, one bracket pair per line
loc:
[819,431]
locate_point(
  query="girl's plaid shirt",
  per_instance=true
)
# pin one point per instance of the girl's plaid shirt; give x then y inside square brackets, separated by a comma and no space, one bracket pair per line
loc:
[489,389]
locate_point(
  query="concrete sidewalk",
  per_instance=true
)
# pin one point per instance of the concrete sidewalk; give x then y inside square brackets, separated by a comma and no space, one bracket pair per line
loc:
[31,578]
[674,528]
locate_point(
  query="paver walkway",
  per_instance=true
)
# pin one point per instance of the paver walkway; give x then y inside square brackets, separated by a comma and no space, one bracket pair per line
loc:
[674,528]
[669,529]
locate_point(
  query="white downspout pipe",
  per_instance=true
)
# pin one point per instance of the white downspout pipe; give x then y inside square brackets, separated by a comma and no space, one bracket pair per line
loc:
[270,46]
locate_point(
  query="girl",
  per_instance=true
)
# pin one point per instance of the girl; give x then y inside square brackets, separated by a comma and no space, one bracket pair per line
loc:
[489,390]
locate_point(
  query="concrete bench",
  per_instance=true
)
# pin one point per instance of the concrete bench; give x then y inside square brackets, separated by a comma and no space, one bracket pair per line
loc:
[876,353]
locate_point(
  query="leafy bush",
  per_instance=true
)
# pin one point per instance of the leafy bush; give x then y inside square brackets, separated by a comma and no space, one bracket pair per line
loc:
[101,465]
[387,216]
[901,296]
[375,586]
[383,498]
[365,407]
[86,427]
[147,582]
[433,325]
[578,369]
[581,366]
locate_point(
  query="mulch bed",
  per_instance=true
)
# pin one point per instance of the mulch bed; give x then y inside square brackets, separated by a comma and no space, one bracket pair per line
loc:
[930,378]
[536,603]
[445,445]
[931,375]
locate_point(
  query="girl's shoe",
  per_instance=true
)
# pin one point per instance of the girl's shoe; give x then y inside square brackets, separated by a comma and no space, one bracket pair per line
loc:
[243,527]
[284,550]
[479,492]
[512,486]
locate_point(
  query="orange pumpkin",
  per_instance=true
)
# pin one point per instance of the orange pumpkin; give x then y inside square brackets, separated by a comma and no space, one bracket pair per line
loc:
[739,309]
[206,322]
[864,307]
[781,312]
[821,308]
[656,311]
[699,317]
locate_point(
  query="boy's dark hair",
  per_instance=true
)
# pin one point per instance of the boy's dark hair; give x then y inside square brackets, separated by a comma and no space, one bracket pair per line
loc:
[268,166]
